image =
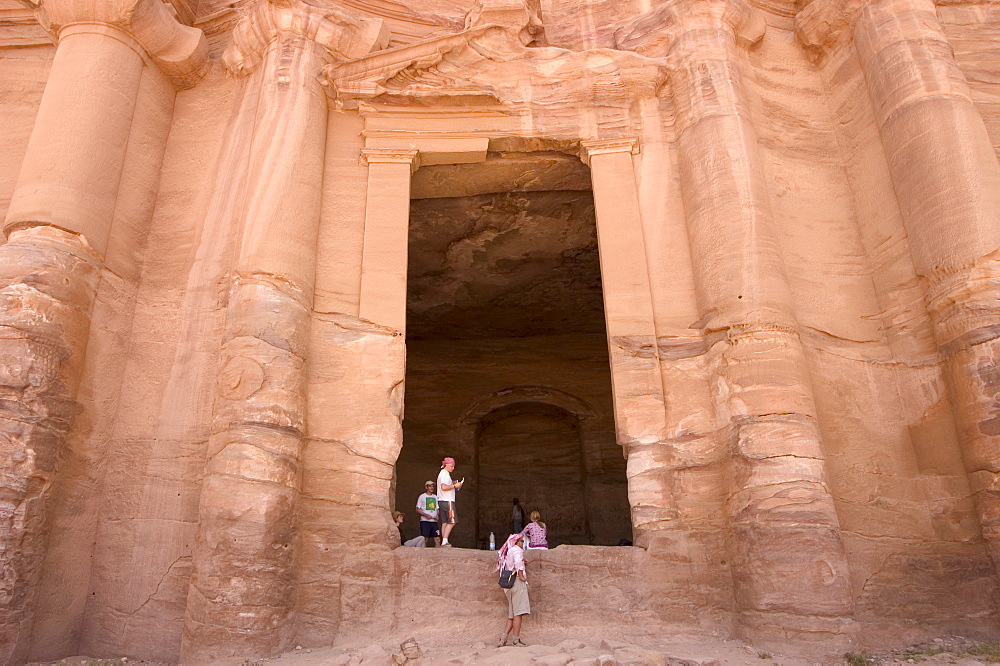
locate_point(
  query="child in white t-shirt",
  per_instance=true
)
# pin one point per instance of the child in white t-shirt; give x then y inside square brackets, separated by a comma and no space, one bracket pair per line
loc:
[427,509]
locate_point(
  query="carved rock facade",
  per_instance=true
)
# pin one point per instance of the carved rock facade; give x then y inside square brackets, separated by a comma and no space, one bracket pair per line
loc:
[209,208]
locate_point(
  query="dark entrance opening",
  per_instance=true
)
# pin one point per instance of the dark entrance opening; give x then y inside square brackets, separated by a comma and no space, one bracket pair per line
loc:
[537,447]
[507,354]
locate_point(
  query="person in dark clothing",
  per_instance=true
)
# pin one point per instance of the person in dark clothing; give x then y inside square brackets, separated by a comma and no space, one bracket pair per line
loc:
[517,517]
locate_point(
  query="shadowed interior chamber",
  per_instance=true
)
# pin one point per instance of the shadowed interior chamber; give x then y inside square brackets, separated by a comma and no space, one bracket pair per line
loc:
[507,359]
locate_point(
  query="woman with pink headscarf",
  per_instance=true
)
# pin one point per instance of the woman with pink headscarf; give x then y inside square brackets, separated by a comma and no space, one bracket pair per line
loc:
[511,557]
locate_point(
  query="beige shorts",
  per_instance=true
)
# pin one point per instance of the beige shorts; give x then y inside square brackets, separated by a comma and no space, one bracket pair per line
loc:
[517,599]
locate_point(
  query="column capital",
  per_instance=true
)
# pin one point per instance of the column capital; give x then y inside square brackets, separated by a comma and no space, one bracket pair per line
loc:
[180,51]
[521,17]
[341,35]
[591,147]
[822,24]
[656,32]
[371,156]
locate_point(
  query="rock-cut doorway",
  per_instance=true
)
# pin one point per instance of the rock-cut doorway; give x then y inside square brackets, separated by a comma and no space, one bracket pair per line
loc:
[507,353]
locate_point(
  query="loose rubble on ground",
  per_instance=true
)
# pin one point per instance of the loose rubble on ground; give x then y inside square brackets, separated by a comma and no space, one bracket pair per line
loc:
[957,650]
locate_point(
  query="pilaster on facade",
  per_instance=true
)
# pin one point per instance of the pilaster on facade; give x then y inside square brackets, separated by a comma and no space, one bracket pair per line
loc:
[391,158]
[281,47]
[640,406]
[730,224]
[59,226]
[946,179]
[387,220]
[626,285]
[627,292]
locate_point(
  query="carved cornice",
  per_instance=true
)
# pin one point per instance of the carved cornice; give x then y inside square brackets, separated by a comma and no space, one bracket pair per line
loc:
[656,32]
[341,35]
[180,51]
[592,147]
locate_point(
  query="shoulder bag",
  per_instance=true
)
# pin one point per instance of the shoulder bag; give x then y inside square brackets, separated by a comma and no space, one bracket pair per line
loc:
[507,578]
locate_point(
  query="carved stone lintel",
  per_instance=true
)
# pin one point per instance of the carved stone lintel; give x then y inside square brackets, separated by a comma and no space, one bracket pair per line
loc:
[180,51]
[391,156]
[592,147]
[341,35]
[656,32]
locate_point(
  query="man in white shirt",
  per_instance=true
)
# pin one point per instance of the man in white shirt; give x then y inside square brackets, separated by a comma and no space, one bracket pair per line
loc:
[446,499]
[427,509]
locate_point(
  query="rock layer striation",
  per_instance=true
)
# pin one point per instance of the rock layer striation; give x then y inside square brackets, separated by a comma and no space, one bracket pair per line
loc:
[716,276]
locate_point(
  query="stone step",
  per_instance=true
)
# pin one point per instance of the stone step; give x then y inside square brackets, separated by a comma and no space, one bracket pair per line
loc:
[574,591]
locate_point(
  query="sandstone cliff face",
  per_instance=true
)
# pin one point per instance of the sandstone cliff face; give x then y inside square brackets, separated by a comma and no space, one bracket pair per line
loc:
[729,266]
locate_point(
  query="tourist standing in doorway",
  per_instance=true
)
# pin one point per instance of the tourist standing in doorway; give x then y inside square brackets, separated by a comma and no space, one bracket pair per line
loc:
[427,507]
[512,558]
[446,499]
[537,533]
[517,517]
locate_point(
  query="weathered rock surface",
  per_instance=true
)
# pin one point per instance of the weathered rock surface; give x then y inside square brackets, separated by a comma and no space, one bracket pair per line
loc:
[721,277]
[503,265]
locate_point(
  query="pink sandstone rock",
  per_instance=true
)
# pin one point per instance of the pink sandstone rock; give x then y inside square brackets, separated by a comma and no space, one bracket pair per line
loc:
[719,277]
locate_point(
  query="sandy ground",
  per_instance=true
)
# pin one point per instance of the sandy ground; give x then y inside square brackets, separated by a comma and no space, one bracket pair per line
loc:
[603,652]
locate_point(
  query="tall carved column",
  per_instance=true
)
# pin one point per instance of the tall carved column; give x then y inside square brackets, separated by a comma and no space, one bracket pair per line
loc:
[640,411]
[789,566]
[947,181]
[57,228]
[241,594]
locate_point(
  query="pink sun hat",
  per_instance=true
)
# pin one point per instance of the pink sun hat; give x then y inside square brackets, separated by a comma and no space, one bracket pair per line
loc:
[447,461]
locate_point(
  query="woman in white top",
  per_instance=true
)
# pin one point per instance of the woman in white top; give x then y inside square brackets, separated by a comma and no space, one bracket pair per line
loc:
[511,557]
